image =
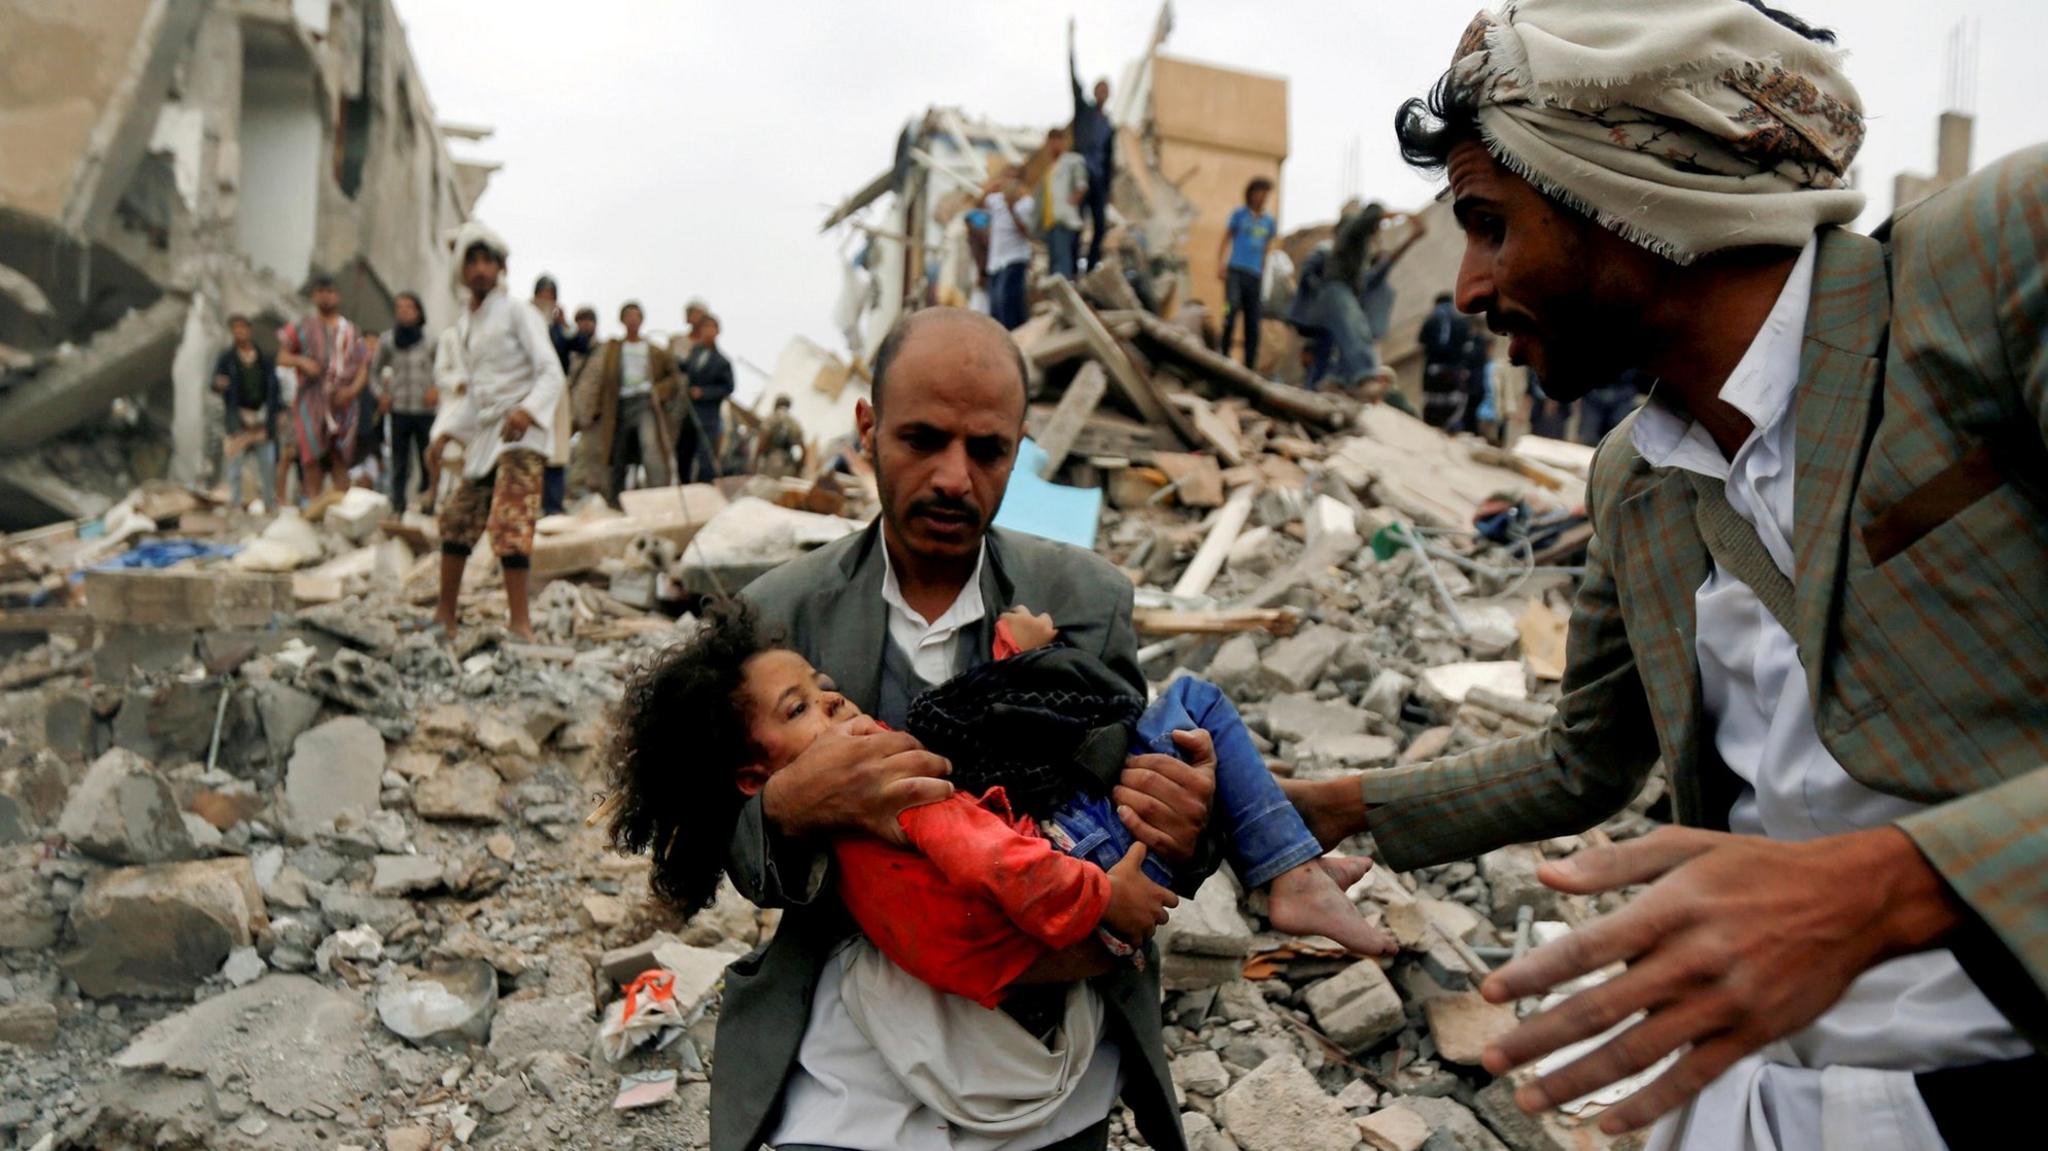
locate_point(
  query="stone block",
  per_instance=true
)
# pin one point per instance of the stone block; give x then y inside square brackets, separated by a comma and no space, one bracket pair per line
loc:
[127,651]
[124,812]
[1464,1024]
[1209,923]
[1394,1129]
[1510,874]
[465,792]
[405,874]
[336,769]
[1298,662]
[1358,1007]
[1201,1073]
[161,930]
[1386,693]
[1452,1124]
[1279,1107]
[186,598]
[1299,716]
[530,1025]
[28,1024]
[1235,669]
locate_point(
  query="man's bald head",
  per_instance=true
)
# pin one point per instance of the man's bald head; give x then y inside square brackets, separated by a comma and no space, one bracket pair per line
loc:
[980,343]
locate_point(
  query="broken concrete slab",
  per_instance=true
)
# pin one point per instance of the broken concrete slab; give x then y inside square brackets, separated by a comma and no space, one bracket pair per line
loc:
[161,930]
[1201,1072]
[1510,873]
[1464,1024]
[125,812]
[405,874]
[1357,1007]
[336,769]
[1279,1107]
[292,1045]
[358,514]
[1394,1129]
[448,1005]
[186,598]
[1296,663]
[531,1024]
[1209,923]
[1300,716]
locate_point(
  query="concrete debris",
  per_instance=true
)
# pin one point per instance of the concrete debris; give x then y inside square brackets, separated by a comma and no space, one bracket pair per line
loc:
[336,770]
[448,1005]
[1358,1007]
[463,791]
[1280,1107]
[161,930]
[124,812]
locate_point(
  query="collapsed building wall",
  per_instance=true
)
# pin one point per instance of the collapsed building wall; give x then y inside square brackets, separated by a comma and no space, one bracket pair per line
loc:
[220,152]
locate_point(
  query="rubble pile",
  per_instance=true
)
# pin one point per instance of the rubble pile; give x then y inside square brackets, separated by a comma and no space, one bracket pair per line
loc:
[284,869]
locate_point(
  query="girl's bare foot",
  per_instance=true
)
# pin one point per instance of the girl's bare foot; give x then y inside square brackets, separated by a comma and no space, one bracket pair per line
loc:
[1310,900]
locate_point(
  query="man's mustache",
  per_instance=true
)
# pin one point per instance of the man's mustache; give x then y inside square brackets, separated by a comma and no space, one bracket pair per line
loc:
[945,505]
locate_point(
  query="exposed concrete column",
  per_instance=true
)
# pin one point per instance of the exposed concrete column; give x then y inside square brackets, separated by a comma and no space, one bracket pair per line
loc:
[191,389]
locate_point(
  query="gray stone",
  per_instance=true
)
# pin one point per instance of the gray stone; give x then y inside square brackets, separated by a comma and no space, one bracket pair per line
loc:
[353,622]
[501,738]
[1455,1127]
[1201,1073]
[1356,660]
[1345,752]
[334,770]
[1386,693]
[1235,669]
[171,721]
[459,791]
[449,1005]
[364,685]
[1279,1107]
[28,920]
[1394,1129]
[1301,716]
[1209,923]
[1298,662]
[285,713]
[503,1095]
[69,724]
[405,874]
[343,908]
[244,966]
[1548,1131]
[1510,874]
[125,812]
[1358,1007]
[28,1024]
[160,931]
[528,1026]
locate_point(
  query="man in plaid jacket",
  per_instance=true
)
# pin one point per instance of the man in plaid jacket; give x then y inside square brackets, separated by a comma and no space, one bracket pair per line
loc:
[1819,588]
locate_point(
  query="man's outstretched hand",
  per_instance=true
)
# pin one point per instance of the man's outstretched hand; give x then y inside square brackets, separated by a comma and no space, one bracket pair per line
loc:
[856,777]
[1739,941]
[1164,800]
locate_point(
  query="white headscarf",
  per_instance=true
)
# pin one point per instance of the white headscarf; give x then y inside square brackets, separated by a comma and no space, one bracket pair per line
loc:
[1687,126]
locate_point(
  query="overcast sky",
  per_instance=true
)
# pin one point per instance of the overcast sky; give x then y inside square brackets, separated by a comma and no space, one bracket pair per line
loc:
[660,149]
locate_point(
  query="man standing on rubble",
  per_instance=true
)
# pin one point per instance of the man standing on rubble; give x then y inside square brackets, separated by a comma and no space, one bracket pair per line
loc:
[547,300]
[1819,589]
[333,364]
[913,600]
[1095,139]
[710,381]
[1060,196]
[1009,248]
[501,414]
[622,396]
[246,379]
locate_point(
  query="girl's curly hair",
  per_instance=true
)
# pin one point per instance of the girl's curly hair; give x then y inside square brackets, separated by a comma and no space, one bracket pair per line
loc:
[678,737]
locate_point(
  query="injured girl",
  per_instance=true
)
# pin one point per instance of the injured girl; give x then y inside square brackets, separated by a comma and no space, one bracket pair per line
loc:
[1027,857]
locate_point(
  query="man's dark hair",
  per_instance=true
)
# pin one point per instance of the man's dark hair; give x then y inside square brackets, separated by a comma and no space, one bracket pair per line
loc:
[322,281]
[547,284]
[486,249]
[1428,127]
[1257,184]
[418,305]
[587,312]
[239,318]
[630,306]
[892,344]
[678,739]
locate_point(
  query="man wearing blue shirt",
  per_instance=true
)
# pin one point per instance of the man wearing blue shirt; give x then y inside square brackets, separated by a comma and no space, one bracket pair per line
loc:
[1246,240]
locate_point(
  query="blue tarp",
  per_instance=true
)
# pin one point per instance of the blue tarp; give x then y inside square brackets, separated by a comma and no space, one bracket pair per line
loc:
[1047,509]
[164,553]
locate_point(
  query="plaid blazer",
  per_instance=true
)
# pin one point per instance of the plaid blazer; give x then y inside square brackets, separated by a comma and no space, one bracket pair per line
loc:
[1921,556]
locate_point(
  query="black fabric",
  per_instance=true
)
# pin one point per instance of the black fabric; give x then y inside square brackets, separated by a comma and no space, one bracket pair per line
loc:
[1021,723]
[406,335]
[1972,1106]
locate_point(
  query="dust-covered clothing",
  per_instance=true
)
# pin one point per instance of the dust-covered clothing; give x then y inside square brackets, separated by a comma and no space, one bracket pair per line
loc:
[504,502]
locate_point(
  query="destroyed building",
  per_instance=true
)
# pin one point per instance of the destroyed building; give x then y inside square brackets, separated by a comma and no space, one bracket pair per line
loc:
[193,159]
